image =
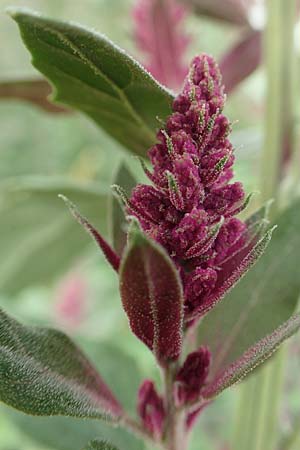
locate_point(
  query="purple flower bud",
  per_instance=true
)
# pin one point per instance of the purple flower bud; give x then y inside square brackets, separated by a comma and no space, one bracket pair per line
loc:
[151,409]
[191,377]
[190,210]
[197,284]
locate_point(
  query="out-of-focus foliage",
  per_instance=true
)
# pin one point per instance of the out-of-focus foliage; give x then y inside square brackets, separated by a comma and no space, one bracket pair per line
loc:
[69,146]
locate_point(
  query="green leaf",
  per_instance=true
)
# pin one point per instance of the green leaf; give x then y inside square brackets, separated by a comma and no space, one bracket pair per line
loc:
[99,445]
[262,301]
[152,295]
[93,75]
[252,358]
[38,240]
[117,222]
[43,373]
[121,370]
[67,433]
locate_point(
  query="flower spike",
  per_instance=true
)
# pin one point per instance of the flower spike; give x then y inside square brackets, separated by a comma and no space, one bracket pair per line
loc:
[190,209]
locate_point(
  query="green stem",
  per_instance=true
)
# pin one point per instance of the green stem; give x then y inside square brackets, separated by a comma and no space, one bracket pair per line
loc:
[257,422]
[175,436]
[256,425]
[280,83]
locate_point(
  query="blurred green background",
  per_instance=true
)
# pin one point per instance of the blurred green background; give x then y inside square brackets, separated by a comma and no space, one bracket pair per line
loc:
[69,148]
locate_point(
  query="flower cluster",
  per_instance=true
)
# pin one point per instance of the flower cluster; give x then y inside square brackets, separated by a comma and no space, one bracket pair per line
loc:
[191,205]
[189,382]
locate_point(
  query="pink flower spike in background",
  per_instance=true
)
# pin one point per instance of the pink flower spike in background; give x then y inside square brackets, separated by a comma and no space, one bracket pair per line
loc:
[70,306]
[158,32]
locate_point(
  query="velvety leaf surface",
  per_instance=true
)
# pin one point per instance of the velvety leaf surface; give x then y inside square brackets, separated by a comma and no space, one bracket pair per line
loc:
[262,301]
[152,295]
[252,358]
[93,75]
[43,373]
[117,222]
[99,445]
[39,240]
[123,374]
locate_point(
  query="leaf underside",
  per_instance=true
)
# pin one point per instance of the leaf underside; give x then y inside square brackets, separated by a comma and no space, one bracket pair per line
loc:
[43,373]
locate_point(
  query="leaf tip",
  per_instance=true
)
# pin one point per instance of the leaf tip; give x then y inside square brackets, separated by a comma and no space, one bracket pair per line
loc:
[135,233]
[16,12]
[74,211]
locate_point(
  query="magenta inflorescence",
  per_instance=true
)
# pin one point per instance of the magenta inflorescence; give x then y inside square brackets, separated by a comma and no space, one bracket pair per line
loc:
[191,206]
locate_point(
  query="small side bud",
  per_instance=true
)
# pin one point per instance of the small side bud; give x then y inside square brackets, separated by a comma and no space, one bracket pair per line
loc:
[151,410]
[191,377]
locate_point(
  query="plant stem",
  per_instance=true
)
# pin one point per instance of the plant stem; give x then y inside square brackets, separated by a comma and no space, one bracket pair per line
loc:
[257,424]
[280,83]
[139,431]
[175,437]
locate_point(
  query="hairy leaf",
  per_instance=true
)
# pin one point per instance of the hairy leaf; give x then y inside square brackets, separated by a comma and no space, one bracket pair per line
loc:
[253,357]
[93,75]
[235,269]
[38,240]
[117,222]
[67,433]
[262,301]
[99,445]
[152,295]
[43,373]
